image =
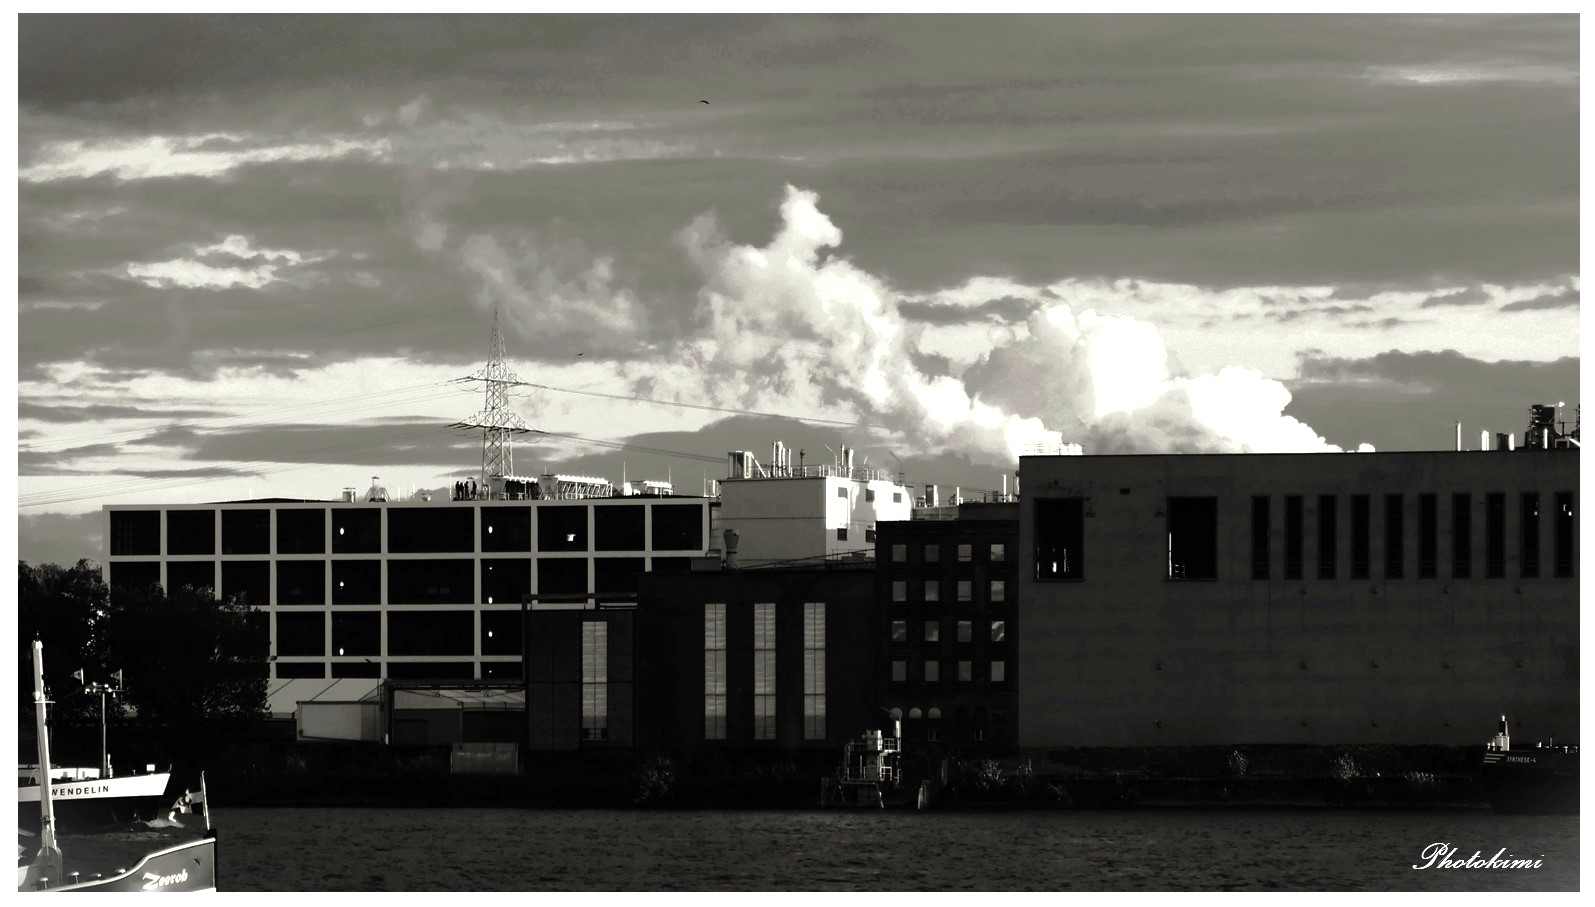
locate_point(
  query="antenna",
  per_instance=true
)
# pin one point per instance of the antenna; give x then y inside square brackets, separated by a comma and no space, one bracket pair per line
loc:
[899,461]
[496,420]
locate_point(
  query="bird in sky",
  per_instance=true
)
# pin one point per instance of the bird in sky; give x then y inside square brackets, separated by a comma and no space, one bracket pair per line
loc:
[703,102]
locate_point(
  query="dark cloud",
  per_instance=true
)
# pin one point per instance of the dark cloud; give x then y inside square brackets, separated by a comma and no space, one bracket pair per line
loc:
[1007,310]
[1566,299]
[1469,296]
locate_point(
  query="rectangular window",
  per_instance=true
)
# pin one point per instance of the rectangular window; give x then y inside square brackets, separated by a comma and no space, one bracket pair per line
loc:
[1528,537]
[595,680]
[1328,517]
[1563,528]
[999,590]
[138,532]
[764,671]
[899,631]
[869,495]
[1495,535]
[714,672]
[966,553]
[999,671]
[1060,538]
[899,554]
[966,590]
[841,534]
[966,631]
[899,590]
[813,670]
[1260,528]
[1428,536]
[1461,535]
[677,527]
[932,672]
[933,590]
[965,671]
[1193,538]
[841,492]
[897,497]
[999,630]
[998,552]
[1293,542]
[869,534]
[1359,536]
[932,554]
[933,631]
[899,671]
[1395,534]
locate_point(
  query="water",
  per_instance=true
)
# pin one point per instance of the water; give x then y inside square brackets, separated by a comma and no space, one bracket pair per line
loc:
[612,850]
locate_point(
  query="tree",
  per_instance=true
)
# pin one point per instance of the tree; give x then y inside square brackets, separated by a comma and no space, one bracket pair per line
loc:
[61,606]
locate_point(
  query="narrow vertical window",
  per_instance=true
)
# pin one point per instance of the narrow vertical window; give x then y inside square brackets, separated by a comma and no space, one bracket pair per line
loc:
[933,631]
[1193,538]
[1564,533]
[899,590]
[899,631]
[714,672]
[932,590]
[764,671]
[1529,536]
[932,671]
[1328,514]
[1293,536]
[1060,537]
[966,590]
[1395,533]
[1260,537]
[998,590]
[1428,536]
[595,680]
[814,671]
[1495,535]
[1461,535]
[1359,536]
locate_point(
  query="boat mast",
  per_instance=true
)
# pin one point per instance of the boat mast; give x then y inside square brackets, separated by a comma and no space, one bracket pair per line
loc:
[49,859]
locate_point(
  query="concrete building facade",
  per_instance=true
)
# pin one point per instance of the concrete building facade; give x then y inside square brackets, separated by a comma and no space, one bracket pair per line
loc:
[1405,598]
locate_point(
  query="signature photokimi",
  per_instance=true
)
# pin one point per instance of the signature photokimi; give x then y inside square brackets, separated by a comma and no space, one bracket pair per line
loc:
[1441,855]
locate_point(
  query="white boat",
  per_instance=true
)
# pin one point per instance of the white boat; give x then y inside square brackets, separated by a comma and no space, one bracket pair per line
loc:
[86,801]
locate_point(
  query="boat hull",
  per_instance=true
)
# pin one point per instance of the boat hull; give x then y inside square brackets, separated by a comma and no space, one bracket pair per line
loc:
[96,803]
[1532,782]
[189,866]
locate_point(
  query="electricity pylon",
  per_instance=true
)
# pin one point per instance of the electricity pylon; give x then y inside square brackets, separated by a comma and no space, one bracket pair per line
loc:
[496,420]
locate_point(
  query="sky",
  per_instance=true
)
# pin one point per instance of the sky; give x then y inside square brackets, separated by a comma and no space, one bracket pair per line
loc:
[261,256]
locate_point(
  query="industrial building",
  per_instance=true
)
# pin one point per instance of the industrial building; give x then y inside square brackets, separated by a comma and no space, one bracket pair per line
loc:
[1405,598]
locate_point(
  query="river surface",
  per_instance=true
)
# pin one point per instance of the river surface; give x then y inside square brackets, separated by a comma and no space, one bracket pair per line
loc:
[1139,850]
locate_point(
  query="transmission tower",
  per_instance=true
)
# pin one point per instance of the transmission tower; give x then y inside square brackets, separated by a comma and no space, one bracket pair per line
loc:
[496,420]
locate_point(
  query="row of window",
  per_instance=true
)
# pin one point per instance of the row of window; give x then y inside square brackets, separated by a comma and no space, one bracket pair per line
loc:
[963,552]
[927,724]
[427,581]
[869,495]
[963,590]
[930,672]
[360,633]
[358,530]
[964,631]
[764,671]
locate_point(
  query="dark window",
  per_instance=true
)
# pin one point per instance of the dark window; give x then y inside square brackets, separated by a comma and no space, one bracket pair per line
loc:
[671,564]
[501,670]
[356,633]
[1395,534]
[1293,543]
[246,532]
[678,527]
[1428,536]
[1260,529]
[1193,538]
[562,528]
[357,582]
[1461,535]
[869,495]
[362,669]
[301,531]
[1495,535]
[505,580]
[841,492]
[1060,539]
[1564,533]
[191,532]
[617,574]
[618,528]
[135,575]
[869,534]
[292,670]
[249,579]
[431,582]
[301,582]
[1359,536]
[506,529]
[841,534]
[424,530]
[135,532]
[501,632]
[431,633]
[1529,536]
[198,575]
[1328,514]
[301,633]
[562,576]
[356,530]
[431,670]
